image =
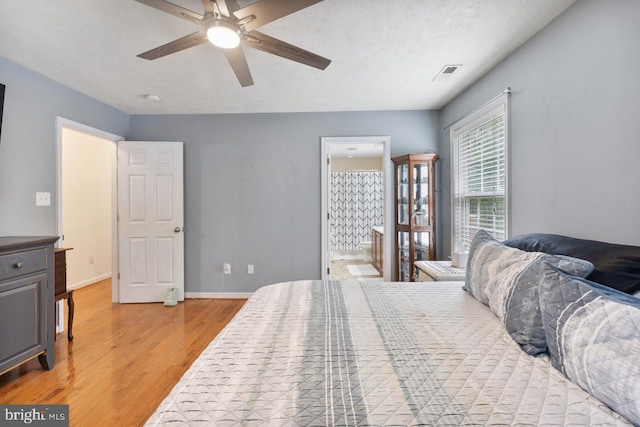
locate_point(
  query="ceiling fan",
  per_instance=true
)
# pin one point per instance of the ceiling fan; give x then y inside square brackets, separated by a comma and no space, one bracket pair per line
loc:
[228,26]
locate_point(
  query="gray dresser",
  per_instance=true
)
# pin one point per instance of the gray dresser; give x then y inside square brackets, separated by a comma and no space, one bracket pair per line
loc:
[27,325]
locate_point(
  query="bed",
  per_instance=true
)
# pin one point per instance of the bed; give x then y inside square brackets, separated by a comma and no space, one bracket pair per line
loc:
[370,353]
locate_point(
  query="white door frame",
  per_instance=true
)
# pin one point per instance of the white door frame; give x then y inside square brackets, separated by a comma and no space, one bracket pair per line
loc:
[388,240]
[61,122]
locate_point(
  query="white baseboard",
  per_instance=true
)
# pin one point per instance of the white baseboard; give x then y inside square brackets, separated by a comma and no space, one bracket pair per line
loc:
[203,295]
[210,295]
[89,282]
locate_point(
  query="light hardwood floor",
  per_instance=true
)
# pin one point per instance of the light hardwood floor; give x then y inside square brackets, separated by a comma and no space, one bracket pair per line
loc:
[124,358]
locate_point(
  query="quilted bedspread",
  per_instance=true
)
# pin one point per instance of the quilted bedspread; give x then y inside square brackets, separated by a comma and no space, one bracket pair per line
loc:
[369,353]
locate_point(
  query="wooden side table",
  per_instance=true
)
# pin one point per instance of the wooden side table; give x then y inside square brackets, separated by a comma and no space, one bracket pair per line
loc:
[439,271]
[61,286]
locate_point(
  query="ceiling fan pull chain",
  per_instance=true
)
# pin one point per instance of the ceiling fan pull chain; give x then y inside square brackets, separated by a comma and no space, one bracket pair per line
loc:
[216,10]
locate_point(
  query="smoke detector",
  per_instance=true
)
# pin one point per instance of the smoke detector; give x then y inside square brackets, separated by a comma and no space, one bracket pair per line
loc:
[152,98]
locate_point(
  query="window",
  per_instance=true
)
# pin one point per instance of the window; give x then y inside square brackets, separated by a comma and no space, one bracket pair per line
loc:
[479,174]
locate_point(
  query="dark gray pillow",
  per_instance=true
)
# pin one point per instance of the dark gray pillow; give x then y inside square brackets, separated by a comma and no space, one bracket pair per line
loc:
[593,333]
[615,266]
[506,279]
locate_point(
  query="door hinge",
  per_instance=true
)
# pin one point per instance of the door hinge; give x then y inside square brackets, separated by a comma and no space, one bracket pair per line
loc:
[328,160]
[329,271]
[328,216]
[118,276]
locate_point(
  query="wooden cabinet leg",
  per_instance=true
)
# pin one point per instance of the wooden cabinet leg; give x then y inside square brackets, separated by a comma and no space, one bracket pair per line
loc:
[71,306]
[46,361]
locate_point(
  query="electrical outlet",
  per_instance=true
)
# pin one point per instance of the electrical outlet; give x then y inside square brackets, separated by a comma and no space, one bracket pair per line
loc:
[250,269]
[227,268]
[43,199]
[92,259]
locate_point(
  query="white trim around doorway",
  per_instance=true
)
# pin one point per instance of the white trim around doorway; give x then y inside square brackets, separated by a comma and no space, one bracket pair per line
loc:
[61,123]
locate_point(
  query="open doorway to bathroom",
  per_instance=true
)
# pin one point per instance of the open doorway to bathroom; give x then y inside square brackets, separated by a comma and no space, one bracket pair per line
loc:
[356,208]
[355,179]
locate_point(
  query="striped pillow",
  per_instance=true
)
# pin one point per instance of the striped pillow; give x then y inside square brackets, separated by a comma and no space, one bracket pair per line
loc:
[593,333]
[506,279]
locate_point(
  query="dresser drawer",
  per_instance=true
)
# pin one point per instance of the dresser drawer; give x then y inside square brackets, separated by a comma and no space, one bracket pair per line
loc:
[22,263]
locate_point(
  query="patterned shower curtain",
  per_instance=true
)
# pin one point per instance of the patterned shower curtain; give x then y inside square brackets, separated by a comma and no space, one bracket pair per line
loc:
[356,206]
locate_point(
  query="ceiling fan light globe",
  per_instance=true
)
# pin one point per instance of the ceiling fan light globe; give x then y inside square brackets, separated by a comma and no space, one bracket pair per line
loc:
[223,35]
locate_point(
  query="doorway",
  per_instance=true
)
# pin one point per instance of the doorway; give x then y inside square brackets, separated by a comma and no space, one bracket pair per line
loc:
[359,166]
[86,203]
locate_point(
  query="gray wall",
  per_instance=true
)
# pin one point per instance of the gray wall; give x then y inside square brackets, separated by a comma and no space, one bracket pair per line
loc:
[28,144]
[252,187]
[252,182]
[575,121]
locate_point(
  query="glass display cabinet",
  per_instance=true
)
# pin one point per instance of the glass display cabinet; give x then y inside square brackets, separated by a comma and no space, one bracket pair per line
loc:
[415,212]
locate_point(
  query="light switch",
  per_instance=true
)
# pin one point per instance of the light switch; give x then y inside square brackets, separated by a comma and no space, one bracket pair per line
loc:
[43,199]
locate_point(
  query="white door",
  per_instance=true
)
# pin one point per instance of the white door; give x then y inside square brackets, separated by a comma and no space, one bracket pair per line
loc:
[325,221]
[329,227]
[150,220]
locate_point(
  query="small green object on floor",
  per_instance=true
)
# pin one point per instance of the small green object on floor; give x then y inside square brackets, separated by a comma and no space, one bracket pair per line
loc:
[172,298]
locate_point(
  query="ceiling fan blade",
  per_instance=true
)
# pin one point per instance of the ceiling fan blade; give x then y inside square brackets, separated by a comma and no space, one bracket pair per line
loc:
[208,6]
[175,10]
[227,7]
[265,11]
[274,46]
[238,63]
[183,43]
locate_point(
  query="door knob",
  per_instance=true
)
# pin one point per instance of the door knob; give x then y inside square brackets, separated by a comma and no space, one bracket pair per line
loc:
[177,230]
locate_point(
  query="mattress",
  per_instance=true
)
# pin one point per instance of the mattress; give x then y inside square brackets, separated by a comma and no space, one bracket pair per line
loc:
[371,353]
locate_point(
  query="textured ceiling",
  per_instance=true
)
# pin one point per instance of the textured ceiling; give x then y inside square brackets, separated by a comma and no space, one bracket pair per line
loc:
[385,53]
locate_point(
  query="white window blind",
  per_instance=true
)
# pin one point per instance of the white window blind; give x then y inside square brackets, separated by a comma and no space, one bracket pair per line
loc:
[479,174]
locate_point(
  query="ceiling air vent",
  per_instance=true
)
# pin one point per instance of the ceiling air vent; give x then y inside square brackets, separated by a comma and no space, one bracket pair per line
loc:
[446,73]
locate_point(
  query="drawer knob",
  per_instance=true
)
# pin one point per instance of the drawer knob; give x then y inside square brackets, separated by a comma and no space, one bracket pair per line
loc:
[17,265]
